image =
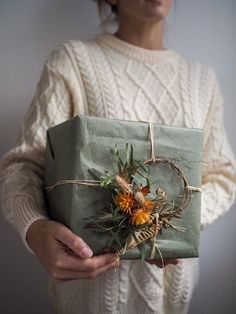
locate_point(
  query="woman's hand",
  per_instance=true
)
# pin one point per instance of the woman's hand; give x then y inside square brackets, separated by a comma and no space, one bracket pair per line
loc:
[65,255]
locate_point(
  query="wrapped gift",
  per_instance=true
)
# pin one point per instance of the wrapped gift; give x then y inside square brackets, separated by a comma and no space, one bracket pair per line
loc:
[124,186]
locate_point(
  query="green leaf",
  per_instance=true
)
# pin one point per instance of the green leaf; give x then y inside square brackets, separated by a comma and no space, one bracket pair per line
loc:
[141,174]
[118,166]
[148,182]
[116,238]
[127,152]
[93,174]
[116,210]
[118,155]
[137,180]
[121,222]
[142,250]
[131,155]
[98,225]
[145,169]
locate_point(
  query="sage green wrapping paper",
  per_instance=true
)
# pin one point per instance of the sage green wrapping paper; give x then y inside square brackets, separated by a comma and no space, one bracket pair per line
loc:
[87,142]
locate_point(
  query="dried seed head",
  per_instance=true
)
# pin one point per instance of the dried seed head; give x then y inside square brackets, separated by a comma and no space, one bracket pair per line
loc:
[161,192]
[140,198]
[123,185]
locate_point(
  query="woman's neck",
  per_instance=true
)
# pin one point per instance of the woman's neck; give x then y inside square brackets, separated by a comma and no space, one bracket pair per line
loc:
[145,35]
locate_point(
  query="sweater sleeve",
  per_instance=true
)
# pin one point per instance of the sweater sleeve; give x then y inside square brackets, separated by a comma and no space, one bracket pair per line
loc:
[219,168]
[21,168]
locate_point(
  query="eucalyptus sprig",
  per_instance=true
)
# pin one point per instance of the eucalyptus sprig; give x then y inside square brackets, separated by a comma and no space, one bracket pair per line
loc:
[107,179]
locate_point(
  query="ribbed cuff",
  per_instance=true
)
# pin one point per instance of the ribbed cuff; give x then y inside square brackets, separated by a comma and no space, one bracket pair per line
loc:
[22,218]
[24,231]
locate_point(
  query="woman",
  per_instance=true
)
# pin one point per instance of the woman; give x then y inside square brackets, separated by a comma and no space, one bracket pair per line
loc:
[126,75]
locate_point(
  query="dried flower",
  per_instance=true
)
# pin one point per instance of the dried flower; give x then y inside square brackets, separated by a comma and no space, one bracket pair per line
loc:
[125,201]
[140,198]
[161,192]
[145,190]
[124,186]
[149,204]
[140,216]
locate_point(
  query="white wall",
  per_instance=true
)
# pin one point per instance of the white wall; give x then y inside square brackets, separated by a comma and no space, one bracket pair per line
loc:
[29,29]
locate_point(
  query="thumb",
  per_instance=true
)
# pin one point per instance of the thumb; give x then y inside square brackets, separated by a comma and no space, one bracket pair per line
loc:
[74,242]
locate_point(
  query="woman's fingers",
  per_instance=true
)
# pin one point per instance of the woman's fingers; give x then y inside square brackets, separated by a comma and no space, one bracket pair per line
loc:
[65,275]
[74,242]
[74,263]
[61,251]
[78,258]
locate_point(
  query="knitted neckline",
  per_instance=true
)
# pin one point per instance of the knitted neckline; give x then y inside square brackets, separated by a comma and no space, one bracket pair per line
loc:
[135,52]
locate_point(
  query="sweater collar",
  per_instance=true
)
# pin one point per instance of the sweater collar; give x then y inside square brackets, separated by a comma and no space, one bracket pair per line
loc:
[135,52]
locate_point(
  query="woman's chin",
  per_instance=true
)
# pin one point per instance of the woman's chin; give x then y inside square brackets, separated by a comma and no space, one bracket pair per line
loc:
[156,8]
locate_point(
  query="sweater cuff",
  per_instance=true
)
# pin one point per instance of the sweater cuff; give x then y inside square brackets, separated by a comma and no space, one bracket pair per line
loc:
[23,217]
[26,228]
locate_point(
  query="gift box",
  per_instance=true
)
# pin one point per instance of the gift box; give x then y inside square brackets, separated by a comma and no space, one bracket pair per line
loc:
[82,152]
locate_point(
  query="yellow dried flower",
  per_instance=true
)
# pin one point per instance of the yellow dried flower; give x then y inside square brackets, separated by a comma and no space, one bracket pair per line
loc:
[140,216]
[125,201]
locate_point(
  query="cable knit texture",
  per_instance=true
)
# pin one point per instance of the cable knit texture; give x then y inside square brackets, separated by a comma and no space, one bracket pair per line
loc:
[108,77]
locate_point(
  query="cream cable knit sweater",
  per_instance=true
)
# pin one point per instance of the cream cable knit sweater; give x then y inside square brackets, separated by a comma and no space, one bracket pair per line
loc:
[108,77]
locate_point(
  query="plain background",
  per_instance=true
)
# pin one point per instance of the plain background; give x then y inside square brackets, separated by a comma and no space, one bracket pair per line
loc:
[202,30]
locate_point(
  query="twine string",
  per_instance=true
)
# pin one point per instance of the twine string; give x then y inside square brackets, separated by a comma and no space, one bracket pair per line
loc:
[152,141]
[73,181]
[193,188]
[153,238]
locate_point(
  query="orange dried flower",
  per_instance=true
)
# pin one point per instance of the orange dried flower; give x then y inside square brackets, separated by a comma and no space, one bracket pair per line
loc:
[140,216]
[125,201]
[149,204]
